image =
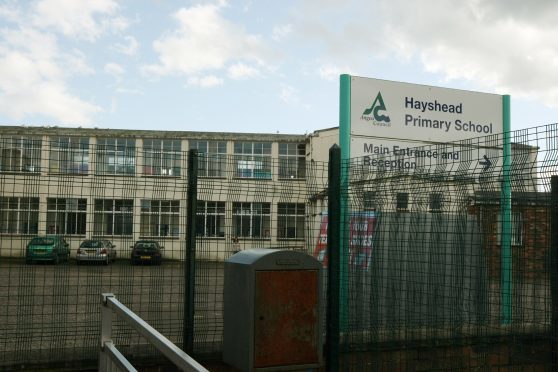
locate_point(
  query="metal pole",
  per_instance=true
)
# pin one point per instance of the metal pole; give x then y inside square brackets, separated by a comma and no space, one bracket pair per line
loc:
[505,210]
[345,143]
[190,259]
[333,255]
[554,269]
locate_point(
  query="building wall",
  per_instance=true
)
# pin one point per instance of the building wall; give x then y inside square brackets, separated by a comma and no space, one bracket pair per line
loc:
[46,184]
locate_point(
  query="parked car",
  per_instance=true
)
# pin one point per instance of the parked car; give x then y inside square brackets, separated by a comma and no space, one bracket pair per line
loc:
[146,251]
[53,248]
[96,250]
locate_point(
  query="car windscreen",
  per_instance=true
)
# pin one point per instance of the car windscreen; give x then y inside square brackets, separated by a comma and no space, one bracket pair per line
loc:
[146,245]
[42,241]
[91,244]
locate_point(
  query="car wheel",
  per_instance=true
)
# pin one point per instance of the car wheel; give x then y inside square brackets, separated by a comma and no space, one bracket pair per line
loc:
[78,262]
[106,261]
[29,261]
[57,260]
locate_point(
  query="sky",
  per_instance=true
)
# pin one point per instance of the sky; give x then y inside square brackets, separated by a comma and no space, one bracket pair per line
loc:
[262,66]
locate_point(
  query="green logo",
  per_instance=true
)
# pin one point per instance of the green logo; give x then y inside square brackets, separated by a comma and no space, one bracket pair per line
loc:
[377,106]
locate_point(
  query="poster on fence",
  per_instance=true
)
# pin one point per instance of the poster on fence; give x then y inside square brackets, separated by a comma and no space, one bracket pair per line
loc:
[361,237]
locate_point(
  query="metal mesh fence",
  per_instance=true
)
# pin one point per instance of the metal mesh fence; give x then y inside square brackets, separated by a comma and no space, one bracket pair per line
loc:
[436,273]
[64,208]
[428,280]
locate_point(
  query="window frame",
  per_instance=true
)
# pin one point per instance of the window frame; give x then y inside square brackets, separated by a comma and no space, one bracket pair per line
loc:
[285,217]
[76,147]
[61,210]
[24,154]
[292,153]
[253,160]
[212,157]
[122,150]
[126,216]
[161,216]
[162,157]
[248,213]
[21,220]
[213,212]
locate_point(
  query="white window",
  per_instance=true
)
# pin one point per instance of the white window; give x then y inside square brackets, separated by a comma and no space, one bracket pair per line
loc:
[210,219]
[292,160]
[20,154]
[161,157]
[212,157]
[19,215]
[253,159]
[113,217]
[159,218]
[290,220]
[69,155]
[251,220]
[66,216]
[116,156]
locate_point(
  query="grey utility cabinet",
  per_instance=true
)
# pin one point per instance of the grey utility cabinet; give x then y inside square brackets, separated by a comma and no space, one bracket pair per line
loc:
[272,310]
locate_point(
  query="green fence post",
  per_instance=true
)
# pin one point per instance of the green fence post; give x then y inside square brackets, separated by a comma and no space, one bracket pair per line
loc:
[554,269]
[190,259]
[345,143]
[505,210]
[333,254]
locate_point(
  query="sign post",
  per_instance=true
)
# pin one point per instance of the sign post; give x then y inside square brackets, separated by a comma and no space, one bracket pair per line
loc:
[383,124]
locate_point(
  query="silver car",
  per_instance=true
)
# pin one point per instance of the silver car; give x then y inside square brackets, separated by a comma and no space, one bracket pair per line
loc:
[96,250]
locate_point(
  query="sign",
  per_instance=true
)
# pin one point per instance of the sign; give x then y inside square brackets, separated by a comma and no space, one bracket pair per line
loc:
[361,237]
[405,127]
[419,113]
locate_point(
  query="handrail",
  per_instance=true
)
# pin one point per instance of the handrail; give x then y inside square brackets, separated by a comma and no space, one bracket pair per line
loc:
[110,306]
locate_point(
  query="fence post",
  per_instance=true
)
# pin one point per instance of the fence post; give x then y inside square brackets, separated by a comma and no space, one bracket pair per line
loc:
[333,257]
[190,259]
[554,269]
[106,330]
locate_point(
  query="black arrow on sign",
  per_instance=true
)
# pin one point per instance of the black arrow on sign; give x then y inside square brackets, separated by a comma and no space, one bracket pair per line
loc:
[487,163]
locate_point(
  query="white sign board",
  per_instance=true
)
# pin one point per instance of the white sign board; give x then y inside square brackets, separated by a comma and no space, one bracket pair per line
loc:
[419,113]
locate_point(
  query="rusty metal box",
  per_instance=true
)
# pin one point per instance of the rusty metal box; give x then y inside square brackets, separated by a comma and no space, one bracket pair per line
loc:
[272,310]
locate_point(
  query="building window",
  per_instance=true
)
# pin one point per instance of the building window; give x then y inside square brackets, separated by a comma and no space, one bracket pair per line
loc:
[435,202]
[113,217]
[253,159]
[210,221]
[292,160]
[290,220]
[66,216]
[159,218]
[402,202]
[19,215]
[161,157]
[20,154]
[369,202]
[116,156]
[251,220]
[69,155]
[516,228]
[212,157]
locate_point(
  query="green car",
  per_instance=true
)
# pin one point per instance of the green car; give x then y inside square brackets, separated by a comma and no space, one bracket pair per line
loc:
[53,248]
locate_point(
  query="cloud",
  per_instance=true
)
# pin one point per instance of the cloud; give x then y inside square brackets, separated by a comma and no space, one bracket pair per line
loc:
[130,48]
[32,87]
[241,71]
[205,41]
[77,19]
[332,72]
[501,46]
[281,32]
[114,69]
[205,82]
[34,75]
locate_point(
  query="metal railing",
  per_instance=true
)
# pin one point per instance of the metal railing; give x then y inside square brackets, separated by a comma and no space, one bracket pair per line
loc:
[110,358]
